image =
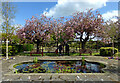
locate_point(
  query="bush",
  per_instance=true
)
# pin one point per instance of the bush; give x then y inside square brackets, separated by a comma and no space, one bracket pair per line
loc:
[11,50]
[25,47]
[28,47]
[107,51]
[19,48]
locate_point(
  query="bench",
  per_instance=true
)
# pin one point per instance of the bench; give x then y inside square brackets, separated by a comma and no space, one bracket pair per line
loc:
[34,52]
[85,51]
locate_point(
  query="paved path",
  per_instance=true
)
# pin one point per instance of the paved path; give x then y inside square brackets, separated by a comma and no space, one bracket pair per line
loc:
[110,75]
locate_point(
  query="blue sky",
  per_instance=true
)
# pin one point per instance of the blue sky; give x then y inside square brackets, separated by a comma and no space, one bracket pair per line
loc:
[25,10]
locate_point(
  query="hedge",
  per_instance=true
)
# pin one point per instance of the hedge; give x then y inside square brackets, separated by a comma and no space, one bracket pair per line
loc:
[19,48]
[28,47]
[12,50]
[108,51]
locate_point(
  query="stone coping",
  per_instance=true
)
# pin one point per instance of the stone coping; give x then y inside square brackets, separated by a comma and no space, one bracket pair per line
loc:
[57,74]
[58,58]
[8,70]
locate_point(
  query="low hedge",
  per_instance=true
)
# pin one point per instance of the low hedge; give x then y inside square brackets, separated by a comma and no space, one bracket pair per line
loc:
[14,49]
[28,47]
[19,48]
[11,50]
[108,51]
[24,47]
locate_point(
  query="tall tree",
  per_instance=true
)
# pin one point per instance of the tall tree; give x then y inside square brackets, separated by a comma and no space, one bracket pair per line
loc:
[60,31]
[56,29]
[8,14]
[12,37]
[118,39]
[35,30]
[112,32]
[87,25]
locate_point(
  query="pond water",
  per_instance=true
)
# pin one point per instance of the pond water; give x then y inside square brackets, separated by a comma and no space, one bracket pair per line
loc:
[63,66]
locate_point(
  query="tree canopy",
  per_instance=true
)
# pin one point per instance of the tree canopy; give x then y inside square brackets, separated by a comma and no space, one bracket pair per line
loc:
[35,30]
[87,25]
[84,25]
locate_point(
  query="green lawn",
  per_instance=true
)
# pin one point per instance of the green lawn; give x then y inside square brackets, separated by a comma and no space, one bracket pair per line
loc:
[53,54]
[117,54]
[71,54]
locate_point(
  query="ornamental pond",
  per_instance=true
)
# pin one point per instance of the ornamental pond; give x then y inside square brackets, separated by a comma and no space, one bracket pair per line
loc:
[59,66]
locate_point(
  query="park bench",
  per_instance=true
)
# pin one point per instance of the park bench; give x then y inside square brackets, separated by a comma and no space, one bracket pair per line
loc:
[85,51]
[34,52]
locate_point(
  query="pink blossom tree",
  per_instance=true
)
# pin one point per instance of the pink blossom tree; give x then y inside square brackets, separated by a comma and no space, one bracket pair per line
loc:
[35,30]
[87,25]
[60,32]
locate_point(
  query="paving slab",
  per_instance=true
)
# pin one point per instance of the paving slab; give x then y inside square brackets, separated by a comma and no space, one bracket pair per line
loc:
[68,77]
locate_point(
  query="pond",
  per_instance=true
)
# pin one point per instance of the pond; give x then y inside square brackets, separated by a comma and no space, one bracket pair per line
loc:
[59,66]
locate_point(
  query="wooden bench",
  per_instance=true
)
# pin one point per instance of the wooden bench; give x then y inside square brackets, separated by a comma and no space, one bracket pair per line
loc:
[34,52]
[85,51]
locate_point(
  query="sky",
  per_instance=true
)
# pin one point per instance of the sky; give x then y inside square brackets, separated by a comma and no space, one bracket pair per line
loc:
[25,10]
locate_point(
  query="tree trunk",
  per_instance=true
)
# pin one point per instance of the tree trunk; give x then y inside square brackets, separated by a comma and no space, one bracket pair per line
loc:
[118,41]
[97,46]
[83,45]
[63,49]
[79,47]
[42,48]
[57,44]
[37,48]
[118,44]
[7,49]
[113,46]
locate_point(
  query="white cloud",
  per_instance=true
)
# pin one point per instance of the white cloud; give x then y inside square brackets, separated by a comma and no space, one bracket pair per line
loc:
[113,0]
[68,7]
[110,15]
[46,9]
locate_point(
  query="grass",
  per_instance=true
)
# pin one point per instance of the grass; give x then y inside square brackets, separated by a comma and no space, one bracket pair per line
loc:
[54,54]
[94,53]
[117,54]
[44,54]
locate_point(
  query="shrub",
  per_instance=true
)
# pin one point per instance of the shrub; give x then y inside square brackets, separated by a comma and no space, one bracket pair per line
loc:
[11,50]
[28,47]
[25,47]
[107,51]
[14,49]
[19,48]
